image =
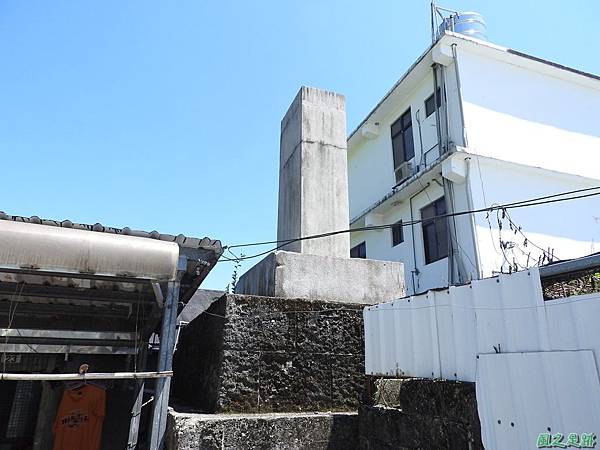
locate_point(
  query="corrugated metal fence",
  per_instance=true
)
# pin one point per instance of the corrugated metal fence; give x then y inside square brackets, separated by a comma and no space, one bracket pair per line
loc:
[439,334]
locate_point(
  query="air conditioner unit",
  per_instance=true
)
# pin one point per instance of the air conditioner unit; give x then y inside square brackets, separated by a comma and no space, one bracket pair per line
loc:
[404,171]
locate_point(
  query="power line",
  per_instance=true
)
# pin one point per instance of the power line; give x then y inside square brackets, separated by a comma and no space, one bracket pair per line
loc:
[548,199]
[520,204]
[576,191]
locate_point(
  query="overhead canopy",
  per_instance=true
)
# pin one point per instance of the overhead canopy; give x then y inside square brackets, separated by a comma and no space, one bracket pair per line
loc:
[67,250]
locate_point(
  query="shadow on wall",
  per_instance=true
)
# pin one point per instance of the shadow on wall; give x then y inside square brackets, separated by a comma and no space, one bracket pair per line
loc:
[197,363]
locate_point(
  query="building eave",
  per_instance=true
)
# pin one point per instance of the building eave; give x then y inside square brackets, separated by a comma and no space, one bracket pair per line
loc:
[424,61]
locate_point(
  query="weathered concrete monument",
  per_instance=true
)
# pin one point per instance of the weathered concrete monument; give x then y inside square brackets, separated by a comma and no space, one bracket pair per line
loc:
[313,174]
[313,200]
[290,340]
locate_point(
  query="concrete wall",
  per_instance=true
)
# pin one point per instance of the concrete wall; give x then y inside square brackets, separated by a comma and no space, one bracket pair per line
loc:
[313,183]
[337,431]
[535,115]
[420,413]
[301,275]
[259,354]
[379,243]
[371,164]
[426,276]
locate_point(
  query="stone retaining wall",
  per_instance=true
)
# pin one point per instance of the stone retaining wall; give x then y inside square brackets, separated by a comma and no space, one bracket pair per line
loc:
[421,413]
[264,354]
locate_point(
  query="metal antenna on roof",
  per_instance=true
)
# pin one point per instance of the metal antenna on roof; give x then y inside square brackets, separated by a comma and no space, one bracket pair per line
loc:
[433,22]
[435,27]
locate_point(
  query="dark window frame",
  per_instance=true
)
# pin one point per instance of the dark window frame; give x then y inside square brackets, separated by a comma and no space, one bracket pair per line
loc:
[429,102]
[435,230]
[403,144]
[359,250]
[397,234]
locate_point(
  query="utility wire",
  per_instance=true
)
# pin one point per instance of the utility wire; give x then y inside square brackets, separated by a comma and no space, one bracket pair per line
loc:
[462,212]
[548,199]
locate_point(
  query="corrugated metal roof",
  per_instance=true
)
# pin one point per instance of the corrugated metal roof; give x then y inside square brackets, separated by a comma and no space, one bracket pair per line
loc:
[180,239]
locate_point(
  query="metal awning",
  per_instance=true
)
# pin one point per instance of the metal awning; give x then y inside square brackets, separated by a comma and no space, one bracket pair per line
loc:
[71,288]
[70,251]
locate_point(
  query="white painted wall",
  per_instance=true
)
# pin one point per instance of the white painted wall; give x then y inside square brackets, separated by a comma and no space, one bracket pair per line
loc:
[529,115]
[571,228]
[379,243]
[529,122]
[371,164]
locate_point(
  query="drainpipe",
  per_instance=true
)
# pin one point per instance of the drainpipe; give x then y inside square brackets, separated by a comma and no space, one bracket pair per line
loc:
[465,142]
[457,260]
[472,218]
[422,160]
[443,137]
[437,110]
[444,107]
[415,270]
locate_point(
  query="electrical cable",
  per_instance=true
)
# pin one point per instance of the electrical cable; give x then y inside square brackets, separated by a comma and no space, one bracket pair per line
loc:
[535,199]
[548,199]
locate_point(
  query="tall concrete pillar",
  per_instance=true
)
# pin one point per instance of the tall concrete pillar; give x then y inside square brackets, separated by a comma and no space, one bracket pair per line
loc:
[313,175]
[313,199]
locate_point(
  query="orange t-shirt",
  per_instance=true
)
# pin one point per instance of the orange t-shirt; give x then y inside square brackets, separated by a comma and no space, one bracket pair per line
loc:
[78,423]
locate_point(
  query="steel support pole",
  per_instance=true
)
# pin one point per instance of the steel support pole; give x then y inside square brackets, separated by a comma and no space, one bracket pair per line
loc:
[165,362]
[136,415]
[136,410]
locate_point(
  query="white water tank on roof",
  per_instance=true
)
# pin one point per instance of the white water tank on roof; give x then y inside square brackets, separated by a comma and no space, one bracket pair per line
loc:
[470,24]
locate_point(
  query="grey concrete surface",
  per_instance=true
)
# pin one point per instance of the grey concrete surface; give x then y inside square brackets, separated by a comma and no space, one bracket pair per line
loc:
[300,275]
[313,174]
[331,431]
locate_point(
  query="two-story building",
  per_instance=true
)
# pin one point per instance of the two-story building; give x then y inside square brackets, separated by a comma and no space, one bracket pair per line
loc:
[470,125]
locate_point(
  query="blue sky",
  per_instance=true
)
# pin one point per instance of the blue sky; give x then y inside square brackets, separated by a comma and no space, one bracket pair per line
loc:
[165,115]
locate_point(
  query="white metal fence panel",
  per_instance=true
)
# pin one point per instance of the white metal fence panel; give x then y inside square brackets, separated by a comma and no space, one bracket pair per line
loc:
[458,338]
[508,313]
[395,332]
[573,323]
[440,333]
[522,395]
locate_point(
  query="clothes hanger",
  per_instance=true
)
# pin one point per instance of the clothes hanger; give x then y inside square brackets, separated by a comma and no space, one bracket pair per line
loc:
[83,369]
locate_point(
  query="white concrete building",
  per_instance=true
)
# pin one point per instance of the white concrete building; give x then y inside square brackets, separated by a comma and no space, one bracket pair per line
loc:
[507,127]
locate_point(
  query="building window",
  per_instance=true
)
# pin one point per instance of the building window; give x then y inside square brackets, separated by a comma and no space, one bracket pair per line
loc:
[402,140]
[360,251]
[397,234]
[429,108]
[435,231]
